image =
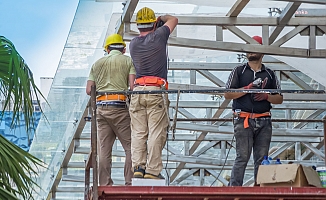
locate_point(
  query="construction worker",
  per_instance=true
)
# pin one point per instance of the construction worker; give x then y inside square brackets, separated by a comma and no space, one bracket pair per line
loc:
[113,72]
[148,112]
[252,117]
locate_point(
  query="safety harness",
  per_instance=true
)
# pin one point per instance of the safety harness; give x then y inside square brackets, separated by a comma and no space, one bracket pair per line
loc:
[248,115]
[152,81]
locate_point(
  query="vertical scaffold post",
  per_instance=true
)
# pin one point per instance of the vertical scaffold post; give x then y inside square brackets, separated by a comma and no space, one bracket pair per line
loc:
[324,121]
[94,142]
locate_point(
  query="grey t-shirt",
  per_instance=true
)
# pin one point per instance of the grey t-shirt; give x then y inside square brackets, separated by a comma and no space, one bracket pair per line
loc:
[149,53]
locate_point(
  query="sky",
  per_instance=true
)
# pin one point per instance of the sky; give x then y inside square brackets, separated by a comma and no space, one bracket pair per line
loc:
[38,29]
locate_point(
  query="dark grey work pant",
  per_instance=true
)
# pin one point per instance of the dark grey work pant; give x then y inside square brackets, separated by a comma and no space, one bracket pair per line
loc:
[256,137]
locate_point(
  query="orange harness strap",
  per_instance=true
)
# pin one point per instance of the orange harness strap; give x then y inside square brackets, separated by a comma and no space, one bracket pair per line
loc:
[151,81]
[112,97]
[247,115]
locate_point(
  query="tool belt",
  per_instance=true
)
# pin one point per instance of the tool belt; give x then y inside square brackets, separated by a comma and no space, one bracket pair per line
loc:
[248,115]
[152,81]
[112,97]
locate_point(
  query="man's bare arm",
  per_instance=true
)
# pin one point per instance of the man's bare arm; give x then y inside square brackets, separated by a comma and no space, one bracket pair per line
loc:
[275,99]
[170,21]
[132,81]
[89,86]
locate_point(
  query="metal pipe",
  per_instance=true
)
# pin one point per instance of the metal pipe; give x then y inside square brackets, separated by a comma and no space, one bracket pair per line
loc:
[324,119]
[230,119]
[214,91]
[94,142]
[87,178]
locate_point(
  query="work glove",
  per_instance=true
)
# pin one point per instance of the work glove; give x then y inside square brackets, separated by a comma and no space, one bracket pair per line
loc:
[261,96]
[254,85]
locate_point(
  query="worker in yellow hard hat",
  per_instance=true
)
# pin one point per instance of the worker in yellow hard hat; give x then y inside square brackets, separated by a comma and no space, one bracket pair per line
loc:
[148,112]
[113,72]
[115,41]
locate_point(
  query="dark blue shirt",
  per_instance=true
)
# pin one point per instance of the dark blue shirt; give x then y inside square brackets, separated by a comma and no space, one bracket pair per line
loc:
[243,75]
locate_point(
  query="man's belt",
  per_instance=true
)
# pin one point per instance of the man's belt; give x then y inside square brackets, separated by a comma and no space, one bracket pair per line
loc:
[108,104]
[248,115]
[152,81]
[112,97]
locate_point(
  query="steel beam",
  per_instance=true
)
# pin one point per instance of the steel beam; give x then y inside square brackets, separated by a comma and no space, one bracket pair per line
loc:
[289,35]
[242,35]
[238,47]
[126,16]
[237,8]
[297,81]
[245,21]
[283,106]
[212,77]
[286,15]
[321,2]
[224,66]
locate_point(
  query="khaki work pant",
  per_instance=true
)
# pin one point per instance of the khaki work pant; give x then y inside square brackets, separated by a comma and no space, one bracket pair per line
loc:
[149,123]
[112,123]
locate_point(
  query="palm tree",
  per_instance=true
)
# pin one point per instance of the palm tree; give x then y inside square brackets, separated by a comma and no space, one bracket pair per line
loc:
[17,89]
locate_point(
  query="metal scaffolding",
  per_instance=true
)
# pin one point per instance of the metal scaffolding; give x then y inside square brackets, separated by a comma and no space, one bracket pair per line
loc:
[201,152]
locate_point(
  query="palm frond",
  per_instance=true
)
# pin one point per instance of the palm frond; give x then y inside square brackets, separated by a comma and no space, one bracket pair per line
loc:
[17,90]
[18,168]
[17,86]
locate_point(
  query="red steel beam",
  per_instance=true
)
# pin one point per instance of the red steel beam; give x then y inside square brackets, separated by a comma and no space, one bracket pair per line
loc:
[208,193]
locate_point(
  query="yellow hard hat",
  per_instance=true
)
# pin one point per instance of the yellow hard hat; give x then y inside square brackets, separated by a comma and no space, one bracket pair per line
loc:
[145,16]
[114,39]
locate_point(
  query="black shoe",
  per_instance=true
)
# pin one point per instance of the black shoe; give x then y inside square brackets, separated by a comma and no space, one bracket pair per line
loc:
[152,176]
[139,172]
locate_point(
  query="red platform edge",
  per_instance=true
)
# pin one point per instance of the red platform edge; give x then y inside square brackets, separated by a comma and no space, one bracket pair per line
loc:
[209,193]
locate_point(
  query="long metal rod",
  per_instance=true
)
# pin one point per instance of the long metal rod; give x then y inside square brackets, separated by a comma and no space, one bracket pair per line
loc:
[94,143]
[214,91]
[324,118]
[229,120]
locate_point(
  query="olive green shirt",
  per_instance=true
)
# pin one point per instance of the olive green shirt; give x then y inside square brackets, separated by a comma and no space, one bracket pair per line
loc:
[111,72]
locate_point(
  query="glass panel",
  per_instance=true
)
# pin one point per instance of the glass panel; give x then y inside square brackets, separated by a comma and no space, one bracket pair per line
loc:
[67,97]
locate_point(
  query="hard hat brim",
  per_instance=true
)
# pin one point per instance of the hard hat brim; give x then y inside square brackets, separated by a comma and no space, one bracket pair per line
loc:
[147,25]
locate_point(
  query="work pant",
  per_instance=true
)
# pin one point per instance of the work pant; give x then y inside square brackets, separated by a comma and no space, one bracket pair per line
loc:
[149,123]
[112,123]
[257,137]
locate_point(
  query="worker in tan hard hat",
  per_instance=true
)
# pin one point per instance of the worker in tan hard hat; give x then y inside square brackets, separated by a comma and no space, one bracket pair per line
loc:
[148,112]
[252,116]
[113,72]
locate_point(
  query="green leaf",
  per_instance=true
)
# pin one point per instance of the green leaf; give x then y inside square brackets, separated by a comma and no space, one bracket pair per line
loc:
[17,90]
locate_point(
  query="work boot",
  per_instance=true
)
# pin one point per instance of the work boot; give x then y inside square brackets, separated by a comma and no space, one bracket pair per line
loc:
[152,176]
[139,172]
